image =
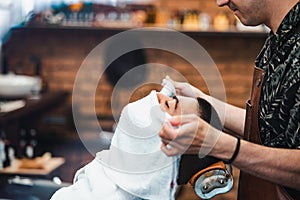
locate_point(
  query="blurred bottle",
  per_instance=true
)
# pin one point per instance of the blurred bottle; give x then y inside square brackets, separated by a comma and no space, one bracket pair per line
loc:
[221,22]
[151,14]
[205,21]
[6,151]
[2,153]
[191,20]
[174,19]
[22,143]
[28,143]
[31,144]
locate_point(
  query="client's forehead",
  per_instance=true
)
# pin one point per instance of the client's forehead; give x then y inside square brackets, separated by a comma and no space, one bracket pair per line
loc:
[184,100]
[188,105]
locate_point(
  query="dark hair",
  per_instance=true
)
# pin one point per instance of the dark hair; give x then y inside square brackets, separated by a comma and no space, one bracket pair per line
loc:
[190,163]
[208,113]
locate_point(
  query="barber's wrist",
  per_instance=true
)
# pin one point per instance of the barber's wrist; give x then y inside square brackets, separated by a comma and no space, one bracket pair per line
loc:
[235,152]
[225,147]
[201,94]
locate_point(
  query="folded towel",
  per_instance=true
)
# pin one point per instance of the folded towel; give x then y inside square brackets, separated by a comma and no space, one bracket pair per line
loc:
[134,167]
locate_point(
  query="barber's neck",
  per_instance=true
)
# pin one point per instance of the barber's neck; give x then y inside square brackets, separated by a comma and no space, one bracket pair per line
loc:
[278,10]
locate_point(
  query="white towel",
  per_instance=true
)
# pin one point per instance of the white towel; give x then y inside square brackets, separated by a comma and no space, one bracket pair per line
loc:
[91,183]
[134,167]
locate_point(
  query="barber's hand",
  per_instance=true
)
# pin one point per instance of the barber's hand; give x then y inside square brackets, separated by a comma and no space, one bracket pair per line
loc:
[185,89]
[193,136]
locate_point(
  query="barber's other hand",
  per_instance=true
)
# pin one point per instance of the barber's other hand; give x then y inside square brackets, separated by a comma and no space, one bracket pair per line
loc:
[185,89]
[192,136]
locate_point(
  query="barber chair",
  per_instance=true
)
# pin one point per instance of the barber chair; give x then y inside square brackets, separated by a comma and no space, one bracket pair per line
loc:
[208,176]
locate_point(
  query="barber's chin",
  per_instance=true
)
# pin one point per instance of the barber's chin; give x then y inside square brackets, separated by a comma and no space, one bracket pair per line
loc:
[246,22]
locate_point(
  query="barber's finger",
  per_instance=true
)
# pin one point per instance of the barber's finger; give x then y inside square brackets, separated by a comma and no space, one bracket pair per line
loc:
[181,137]
[165,141]
[177,85]
[183,119]
[169,78]
[167,132]
[185,123]
[171,149]
[172,81]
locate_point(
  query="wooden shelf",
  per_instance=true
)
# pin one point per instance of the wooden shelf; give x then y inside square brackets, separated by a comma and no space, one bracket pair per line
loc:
[114,30]
[33,106]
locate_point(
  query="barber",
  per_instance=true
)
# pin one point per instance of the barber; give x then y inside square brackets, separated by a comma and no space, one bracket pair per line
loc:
[267,150]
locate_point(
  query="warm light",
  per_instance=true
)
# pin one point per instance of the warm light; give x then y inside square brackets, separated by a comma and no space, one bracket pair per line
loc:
[75,7]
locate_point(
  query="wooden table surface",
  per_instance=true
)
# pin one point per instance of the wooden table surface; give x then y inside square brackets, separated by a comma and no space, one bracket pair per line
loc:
[49,166]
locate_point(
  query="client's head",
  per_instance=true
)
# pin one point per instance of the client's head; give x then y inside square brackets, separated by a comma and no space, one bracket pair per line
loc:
[142,120]
[180,105]
[135,154]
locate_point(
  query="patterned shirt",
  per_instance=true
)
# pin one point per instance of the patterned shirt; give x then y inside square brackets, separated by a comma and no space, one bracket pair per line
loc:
[279,110]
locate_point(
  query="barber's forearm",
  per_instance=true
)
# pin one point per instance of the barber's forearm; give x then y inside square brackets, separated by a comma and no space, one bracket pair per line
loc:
[277,165]
[274,164]
[232,117]
[235,119]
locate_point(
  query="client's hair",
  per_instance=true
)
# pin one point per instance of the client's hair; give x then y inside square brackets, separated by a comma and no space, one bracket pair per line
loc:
[208,113]
[191,164]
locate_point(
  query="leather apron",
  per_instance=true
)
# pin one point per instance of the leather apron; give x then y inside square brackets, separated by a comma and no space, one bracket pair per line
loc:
[251,187]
